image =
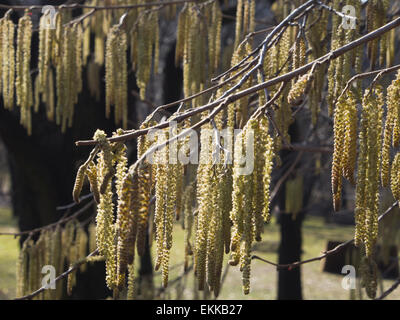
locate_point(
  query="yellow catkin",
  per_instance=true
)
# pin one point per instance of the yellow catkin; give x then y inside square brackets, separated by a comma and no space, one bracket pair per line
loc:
[147,39]
[163,216]
[350,139]
[367,191]
[394,178]
[8,62]
[49,97]
[46,43]
[23,84]
[180,36]
[80,179]
[390,52]
[204,173]
[188,197]
[91,173]
[392,127]
[369,274]
[214,37]
[213,231]
[124,226]
[169,214]
[247,221]
[269,156]
[144,173]
[239,22]
[66,72]
[299,90]
[124,185]
[337,160]
[105,210]
[117,75]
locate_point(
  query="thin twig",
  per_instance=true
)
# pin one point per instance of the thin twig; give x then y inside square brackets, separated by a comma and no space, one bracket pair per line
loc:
[290,266]
[50,226]
[235,96]
[389,291]
[84,6]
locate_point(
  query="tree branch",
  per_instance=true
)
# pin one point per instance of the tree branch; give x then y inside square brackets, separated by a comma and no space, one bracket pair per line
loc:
[49,226]
[84,6]
[235,96]
[338,248]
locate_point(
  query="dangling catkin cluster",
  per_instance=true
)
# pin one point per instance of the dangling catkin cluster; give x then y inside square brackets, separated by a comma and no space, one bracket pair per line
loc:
[241,106]
[395,176]
[145,175]
[198,26]
[369,276]
[339,70]
[145,48]
[315,36]
[188,216]
[345,145]
[300,89]
[246,214]
[23,82]
[375,18]
[54,247]
[166,178]
[206,236]
[273,65]
[69,72]
[214,36]
[245,15]
[369,159]
[7,66]
[117,75]
[44,84]
[391,135]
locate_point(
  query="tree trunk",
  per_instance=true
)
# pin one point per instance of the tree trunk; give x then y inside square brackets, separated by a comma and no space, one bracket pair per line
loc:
[290,248]
[289,281]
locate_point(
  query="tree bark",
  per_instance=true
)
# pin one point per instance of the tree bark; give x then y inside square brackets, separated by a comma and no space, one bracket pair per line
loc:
[290,248]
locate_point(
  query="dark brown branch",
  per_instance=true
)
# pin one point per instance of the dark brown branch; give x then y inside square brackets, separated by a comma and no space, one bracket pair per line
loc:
[379,73]
[84,6]
[52,225]
[286,77]
[338,248]
[389,291]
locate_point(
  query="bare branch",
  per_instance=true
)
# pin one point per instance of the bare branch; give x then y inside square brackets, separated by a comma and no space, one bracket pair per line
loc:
[338,248]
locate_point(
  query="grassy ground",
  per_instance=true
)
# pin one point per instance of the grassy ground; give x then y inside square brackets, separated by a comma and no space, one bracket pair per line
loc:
[316,284]
[8,255]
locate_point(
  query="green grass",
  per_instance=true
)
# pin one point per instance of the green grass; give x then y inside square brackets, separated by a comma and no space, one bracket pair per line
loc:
[8,255]
[316,284]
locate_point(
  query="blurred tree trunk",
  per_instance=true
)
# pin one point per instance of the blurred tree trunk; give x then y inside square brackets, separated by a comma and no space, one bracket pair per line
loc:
[289,281]
[43,168]
[290,248]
